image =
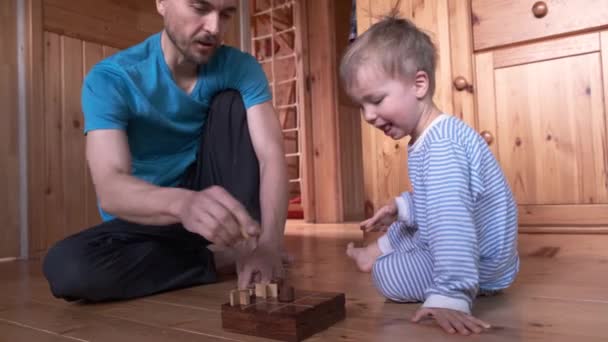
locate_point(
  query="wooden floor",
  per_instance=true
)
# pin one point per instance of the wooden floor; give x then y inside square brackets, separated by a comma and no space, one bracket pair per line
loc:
[561,295]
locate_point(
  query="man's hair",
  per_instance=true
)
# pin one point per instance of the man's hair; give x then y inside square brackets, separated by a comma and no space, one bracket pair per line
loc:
[394,46]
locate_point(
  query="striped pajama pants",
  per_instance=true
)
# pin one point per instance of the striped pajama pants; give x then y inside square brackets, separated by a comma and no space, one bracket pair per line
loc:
[404,274]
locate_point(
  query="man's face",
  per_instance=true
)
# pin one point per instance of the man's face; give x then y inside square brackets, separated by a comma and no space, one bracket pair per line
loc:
[196,27]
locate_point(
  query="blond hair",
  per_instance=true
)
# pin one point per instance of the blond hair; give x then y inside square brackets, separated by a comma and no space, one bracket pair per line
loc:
[395,46]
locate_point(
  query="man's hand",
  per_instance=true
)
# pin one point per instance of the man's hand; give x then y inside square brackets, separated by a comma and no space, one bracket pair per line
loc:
[214,214]
[452,321]
[264,264]
[382,219]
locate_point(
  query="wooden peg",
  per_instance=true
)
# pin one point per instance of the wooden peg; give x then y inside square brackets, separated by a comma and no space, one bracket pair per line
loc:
[286,293]
[261,290]
[240,297]
[234,298]
[273,290]
[244,297]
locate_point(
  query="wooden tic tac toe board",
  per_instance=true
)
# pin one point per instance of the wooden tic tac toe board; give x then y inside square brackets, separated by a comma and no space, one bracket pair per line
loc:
[302,316]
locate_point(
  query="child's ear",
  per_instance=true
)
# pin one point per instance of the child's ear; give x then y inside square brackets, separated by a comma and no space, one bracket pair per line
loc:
[421,83]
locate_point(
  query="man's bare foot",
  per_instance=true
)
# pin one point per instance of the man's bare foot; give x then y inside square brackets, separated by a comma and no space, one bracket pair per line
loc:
[365,257]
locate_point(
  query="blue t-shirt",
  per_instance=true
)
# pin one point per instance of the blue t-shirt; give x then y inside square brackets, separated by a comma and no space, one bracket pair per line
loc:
[134,91]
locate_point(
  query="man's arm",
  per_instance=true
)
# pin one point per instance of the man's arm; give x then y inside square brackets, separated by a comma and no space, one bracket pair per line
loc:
[121,194]
[211,213]
[267,138]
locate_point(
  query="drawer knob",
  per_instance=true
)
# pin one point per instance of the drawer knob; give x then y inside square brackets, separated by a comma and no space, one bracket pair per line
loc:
[488,137]
[540,9]
[460,83]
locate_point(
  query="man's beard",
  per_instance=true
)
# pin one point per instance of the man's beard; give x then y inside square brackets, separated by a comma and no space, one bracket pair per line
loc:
[183,47]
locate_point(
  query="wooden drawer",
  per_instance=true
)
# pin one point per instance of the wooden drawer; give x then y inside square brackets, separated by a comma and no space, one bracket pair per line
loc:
[502,22]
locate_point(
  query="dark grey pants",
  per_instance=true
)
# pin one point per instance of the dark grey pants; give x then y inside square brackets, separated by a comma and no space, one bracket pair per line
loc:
[123,260]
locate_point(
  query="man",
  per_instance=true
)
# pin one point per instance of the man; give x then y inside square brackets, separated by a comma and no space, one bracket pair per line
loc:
[185,151]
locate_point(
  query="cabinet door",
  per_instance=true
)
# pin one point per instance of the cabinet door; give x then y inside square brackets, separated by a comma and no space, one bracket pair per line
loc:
[542,107]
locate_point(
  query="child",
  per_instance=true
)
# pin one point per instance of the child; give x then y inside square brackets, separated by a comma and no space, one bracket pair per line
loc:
[455,235]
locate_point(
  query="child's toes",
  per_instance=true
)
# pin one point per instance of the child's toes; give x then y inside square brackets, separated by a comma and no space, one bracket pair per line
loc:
[350,249]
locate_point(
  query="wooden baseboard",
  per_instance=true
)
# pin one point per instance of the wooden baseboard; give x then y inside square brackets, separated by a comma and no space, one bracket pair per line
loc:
[563,230]
[580,215]
[8,259]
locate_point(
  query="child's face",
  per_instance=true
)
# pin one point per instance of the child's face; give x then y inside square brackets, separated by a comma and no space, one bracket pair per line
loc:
[389,104]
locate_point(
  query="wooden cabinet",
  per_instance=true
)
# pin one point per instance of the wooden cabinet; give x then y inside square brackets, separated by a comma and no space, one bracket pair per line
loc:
[541,95]
[532,78]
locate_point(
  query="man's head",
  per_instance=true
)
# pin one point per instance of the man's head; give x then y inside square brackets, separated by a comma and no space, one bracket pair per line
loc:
[196,27]
[390,71]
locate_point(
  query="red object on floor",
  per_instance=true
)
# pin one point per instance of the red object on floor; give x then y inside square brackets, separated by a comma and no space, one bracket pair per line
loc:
[295,210]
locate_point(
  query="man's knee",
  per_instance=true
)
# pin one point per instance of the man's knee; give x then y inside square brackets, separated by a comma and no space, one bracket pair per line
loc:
[67,269]
[228,96]
[228,101]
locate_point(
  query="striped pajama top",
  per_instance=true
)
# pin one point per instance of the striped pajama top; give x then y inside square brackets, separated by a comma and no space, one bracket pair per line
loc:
[464,211]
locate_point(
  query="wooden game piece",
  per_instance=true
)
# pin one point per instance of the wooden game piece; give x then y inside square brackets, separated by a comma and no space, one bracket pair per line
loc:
[272,290]
[244,297]
[309,313]
[234,299]
[261,290]
[240,297]
[286,293]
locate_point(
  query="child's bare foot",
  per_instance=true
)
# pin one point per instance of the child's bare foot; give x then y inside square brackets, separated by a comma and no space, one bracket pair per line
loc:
[365,257]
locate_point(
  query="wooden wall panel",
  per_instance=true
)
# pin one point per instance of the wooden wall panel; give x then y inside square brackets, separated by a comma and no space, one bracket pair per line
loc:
[233,34]
[328,185]
[9,151]
[34,54]
[55,214]
[384,159]
[349,125]
[307,189]
[69,196]
[72,139]
[69,193]
[336,151]
[113,23]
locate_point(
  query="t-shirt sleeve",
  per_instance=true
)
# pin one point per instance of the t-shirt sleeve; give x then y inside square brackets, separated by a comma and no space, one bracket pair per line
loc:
[247,76]
[103,100]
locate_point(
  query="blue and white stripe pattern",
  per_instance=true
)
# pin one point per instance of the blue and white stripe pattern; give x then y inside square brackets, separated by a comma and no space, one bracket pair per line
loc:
[464,235]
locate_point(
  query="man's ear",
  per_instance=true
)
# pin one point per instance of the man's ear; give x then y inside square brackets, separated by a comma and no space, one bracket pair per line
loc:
[422,84]
[161,7]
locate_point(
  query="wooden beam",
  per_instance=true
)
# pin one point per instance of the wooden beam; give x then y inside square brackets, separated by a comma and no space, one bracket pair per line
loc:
[307,187]
[324,112]
[9,149]
[34,54]
[118,24]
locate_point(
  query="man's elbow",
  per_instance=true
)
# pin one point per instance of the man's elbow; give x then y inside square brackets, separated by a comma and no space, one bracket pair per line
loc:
[107,203]
[274,161]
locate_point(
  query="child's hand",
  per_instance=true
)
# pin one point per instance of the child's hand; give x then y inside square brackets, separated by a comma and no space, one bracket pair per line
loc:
[382,219]
[452,321]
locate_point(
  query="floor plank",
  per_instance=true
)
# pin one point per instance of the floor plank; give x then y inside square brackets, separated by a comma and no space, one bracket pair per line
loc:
[71,322]
[561,294]
[15,331]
